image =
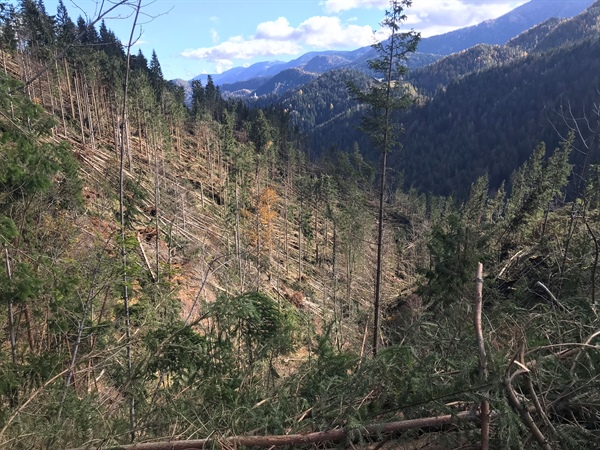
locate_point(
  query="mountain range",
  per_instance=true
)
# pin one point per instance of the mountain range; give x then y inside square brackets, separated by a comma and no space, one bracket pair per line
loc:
[257,78]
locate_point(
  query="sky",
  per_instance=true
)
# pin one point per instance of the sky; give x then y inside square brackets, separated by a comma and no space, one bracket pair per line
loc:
[193,37]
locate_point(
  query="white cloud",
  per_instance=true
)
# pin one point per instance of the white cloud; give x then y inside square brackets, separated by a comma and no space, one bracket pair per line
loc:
[278,29]
[432,17]
[237,48]
[223,65]
[329,32]
[278,37]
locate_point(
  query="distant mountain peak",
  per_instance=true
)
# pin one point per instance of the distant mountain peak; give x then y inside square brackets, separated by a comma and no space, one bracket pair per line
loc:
[501,30]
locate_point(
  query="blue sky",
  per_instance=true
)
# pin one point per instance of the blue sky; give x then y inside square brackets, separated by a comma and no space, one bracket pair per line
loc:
[192,37]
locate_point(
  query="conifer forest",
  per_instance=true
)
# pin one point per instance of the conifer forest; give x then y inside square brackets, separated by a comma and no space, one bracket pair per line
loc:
[183,269]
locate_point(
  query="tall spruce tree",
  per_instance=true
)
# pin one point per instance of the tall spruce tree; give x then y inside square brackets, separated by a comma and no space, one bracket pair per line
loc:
[383,97]
[155,76]
[37,28]
[8,35]
[66,31]
[197,99]
[211,95]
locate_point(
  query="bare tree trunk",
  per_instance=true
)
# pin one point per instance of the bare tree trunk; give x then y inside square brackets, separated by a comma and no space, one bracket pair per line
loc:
[96,110]
[379,256]
[238,249]
[300,244]
[124,135]
[595,265]
[156,204]
[79,106]
[317,230]
[60,98]
[4,62]
[304,440]
[51,93]
[483,370]
[68,77]
[11,315]
[88,109]
[285,220]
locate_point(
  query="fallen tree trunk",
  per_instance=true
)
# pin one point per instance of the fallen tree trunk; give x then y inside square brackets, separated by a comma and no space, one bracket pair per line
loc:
[300,439]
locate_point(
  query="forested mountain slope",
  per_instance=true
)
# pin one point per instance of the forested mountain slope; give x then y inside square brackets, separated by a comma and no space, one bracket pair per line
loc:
[548,35]
[488,122]
[499,102]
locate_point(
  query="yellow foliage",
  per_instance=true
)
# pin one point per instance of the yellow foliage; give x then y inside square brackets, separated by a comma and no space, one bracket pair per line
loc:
[266,211]
[264,219]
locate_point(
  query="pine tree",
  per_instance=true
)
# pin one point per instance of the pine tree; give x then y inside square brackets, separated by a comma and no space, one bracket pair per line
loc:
[110,43]
[139,62]
[211,95]
[8,36]
[155,76]
[198,99]
[37,28]
[383,98]
[86,32]
[65,28]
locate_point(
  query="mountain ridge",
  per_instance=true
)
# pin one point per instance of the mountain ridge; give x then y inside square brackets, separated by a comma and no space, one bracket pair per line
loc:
[494,31]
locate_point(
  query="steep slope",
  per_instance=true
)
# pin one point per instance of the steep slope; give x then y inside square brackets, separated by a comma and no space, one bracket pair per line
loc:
[485,104]
[586,24]
[491,121]
[319,101]
[450,68]
[487,122]
[284,81]
[502,29]
[230,300]
[529,39]
[548,35]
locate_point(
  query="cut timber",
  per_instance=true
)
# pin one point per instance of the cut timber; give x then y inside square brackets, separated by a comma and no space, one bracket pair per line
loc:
[302,439]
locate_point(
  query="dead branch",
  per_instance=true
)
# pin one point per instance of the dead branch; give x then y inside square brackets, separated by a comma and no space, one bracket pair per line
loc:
[552,297]
[301,439]
[515,403]
[154,279]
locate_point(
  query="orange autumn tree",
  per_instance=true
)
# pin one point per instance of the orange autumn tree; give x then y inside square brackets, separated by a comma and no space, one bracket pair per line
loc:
[261,233]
